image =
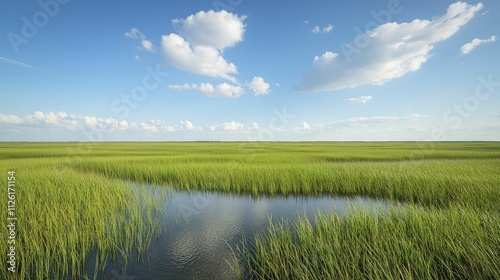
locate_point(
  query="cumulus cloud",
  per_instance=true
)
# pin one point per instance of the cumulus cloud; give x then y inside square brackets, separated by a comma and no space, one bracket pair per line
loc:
[259,86]
[386,52]
[107,124]
[199,59]
[467,48]
[201,40]
[361,99]
[50,118]
[217,29]
[305,126]
[64,121]
[184,126]
[111,128]
[197,47]
[146,127]
[233,126]
[220,90]
[10,119]
[327,29]
[147,45]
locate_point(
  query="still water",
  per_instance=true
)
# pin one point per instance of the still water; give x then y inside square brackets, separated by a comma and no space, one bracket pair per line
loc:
[199,228]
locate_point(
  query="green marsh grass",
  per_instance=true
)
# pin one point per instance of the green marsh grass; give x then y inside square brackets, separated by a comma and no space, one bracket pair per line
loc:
[405,244]
[79,190]
[65,217]
[450,173]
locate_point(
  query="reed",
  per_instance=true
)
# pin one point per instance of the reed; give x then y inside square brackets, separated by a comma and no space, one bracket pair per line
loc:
[74,206]
[404,244]
[66,218]
[450,174]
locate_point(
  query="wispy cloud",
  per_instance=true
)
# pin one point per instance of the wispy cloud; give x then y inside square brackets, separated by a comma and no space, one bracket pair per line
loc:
[386,52]
[327,29]
[467,48]
[146,44]
[361,99]
[24,65]
[379,119]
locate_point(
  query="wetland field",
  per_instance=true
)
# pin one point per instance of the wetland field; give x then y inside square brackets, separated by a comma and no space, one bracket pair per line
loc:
[253,210]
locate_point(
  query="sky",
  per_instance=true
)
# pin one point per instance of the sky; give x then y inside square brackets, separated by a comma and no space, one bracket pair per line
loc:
[226,70]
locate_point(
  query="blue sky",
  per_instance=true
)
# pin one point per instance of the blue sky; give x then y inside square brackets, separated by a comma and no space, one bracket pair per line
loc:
[249,70]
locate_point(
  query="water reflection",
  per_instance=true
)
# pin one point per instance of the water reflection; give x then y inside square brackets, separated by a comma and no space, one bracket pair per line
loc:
[199,226]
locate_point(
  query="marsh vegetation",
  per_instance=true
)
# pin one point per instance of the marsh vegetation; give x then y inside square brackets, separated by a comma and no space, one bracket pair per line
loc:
[74,205]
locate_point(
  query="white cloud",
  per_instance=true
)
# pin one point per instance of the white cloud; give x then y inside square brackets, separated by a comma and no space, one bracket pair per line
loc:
[147,45]
[467,48]
[199,59]
[201,40]
[198,47]
[146,127]
[110,127]
[221,90]
[259,86]
[91,122]
[386,52]
[185,86]
[49,118]
[189,126]
[361,99]
[327,29]
[65,121]
[106,124]
[134,33]
[325,60]
[217,29]
[305,127]
[233,126]
[138,58]
[10,119]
